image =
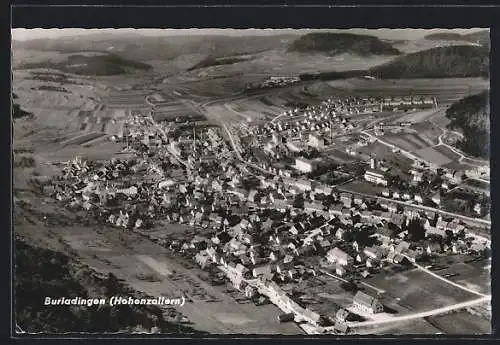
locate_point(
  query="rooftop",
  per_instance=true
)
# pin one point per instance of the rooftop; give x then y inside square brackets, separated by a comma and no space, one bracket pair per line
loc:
[364,299]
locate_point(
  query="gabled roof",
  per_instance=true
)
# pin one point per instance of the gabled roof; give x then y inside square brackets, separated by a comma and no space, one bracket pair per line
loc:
[364,299]
[339,253]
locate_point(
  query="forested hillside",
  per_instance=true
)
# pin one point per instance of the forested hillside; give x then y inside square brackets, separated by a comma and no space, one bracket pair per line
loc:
[471,116]
[41,273]
[442,62]
[340,43]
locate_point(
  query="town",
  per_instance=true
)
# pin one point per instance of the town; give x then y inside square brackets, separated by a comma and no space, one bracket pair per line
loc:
[263,219]
[274,182]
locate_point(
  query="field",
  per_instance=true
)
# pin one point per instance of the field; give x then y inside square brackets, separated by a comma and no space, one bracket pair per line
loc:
[255,108]
[417,291]
[459,166]
[283,62]
[382,151]
[415,327]
[178,109]
[446,91]
[22,56]
[82,139]
[269,103]
[204,88]
[461,322]
[417,116]
[338,155]
[474,275]
[476,185]
[152,269]
[221,113]
[363,187]
[406,141]
[427,132]
[445,151]
[126,99]
[434,156]
[378,149]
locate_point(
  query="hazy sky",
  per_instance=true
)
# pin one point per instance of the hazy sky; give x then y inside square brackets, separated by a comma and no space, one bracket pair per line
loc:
[26,34]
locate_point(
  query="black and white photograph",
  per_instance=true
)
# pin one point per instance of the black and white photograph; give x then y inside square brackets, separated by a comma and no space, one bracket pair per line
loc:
[267,182]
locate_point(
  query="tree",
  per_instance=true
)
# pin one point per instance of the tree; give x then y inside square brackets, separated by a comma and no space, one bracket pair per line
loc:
[416,231]
[299,201]
[486,253]
[250,183]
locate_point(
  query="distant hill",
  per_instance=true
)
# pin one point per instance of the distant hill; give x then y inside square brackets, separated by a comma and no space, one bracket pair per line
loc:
[211,61]
[471,116]
[340,43]
[441,62]
[480,37]
[101,64]
[144,48]
[444,36]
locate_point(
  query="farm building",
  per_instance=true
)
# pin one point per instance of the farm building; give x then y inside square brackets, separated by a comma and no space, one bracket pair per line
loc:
[367,303]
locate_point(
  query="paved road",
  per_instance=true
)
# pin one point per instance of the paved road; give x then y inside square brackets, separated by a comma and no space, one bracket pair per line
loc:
[169,148]
[418,315]
[455,150]
[437,276]
[478,221]
[404,152]
[237,149]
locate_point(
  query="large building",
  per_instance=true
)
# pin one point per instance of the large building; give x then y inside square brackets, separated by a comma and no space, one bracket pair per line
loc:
[304,165]
[338,256]
[316,141]
[366,303]
[376,177]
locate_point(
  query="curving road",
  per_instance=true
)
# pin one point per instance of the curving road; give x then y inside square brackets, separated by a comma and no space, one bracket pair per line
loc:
[419,315]
[456,151]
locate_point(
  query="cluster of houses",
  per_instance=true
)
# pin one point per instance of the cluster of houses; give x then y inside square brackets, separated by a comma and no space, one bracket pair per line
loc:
[398,103]
[275,81]
[314,125]
[313,129]
[206,199]
[261,235]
